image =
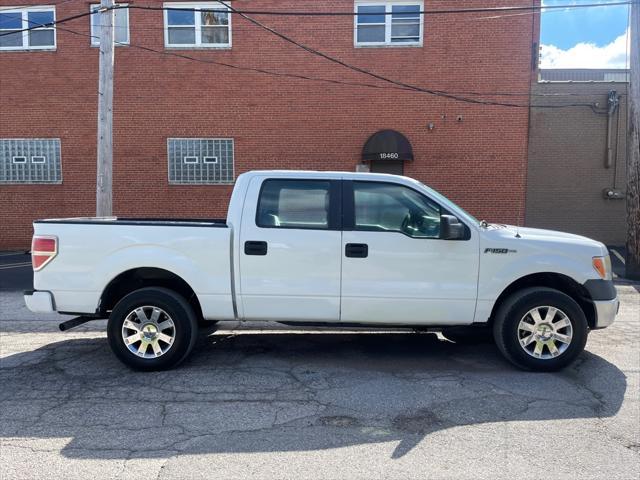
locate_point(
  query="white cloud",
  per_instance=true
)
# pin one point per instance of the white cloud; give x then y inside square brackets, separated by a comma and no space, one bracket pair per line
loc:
[586,55]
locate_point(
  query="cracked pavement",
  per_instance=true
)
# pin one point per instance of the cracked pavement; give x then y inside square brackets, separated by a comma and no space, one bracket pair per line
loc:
[275,402]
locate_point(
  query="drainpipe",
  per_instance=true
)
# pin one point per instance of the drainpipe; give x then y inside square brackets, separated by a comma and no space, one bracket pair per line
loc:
[612,102]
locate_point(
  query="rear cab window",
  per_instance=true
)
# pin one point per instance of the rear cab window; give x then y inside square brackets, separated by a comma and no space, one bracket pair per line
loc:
[292,203]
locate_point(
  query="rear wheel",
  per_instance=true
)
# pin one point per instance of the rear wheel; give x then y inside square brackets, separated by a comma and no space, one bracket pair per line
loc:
[540,329]
[152,329]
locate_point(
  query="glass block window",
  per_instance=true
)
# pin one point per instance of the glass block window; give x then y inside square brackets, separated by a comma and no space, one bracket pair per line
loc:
[30,160]
[200,160]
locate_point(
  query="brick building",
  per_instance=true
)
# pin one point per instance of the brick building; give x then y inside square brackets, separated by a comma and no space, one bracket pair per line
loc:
[184,128]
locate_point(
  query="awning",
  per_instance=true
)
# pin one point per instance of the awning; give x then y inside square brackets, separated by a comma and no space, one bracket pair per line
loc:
[387,145]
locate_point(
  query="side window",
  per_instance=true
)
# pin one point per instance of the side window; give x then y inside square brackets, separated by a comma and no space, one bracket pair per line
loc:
[294,204]
[120,25]
[388,22]
[39,20]
[197,25]
[385,207]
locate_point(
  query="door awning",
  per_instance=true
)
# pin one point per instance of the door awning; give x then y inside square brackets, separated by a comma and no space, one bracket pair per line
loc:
[387,145]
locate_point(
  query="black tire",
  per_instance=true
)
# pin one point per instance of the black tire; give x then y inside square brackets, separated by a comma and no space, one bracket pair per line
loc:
[468,335]
[509,314]
[184,332]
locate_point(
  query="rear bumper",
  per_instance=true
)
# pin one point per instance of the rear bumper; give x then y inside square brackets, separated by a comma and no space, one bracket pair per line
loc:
[39,302]
[606,311]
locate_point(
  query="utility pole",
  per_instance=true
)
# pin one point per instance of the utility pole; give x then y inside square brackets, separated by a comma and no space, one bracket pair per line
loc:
[633,162]
[104,197]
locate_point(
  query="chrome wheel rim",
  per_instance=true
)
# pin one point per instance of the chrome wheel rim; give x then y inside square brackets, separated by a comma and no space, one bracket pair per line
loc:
[148,332]
[545,332]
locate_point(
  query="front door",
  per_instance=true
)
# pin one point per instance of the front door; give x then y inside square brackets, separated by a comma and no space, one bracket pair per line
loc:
[395,268]
[290,250]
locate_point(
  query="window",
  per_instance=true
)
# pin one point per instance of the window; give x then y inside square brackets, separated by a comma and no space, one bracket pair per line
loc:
[384,23]
[120,25]
[14,20]
[33,160]
[385,207]
[294,204]
[188,162]
[197,25]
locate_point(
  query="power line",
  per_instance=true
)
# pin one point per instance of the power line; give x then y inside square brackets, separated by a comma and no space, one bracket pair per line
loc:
[394,84]
[18,7]
[46,25]
[383,78]
[423,12]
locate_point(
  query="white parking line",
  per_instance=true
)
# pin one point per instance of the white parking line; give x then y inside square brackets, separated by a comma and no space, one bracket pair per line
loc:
[617,254]
[14,265]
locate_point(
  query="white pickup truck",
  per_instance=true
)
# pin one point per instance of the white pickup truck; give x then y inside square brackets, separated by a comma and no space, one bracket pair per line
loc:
[331,249]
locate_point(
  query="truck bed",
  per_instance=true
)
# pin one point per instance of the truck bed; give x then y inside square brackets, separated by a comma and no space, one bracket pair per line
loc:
[92,252]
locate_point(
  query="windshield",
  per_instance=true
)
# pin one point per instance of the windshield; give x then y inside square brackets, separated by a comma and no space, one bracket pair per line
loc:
[444,200]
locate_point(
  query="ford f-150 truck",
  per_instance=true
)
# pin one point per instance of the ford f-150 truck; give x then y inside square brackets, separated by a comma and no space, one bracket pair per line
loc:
[331,249]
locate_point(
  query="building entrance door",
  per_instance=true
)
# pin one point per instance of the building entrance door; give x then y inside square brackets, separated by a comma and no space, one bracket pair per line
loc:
[386,151]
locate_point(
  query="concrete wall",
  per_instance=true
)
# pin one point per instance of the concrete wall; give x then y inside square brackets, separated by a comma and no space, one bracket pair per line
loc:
[566,169]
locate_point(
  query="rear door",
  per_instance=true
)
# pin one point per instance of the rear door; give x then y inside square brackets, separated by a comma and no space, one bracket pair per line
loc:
[290,241]
[396,269]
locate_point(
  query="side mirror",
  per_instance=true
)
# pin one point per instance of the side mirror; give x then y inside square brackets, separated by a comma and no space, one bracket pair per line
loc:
[451,228]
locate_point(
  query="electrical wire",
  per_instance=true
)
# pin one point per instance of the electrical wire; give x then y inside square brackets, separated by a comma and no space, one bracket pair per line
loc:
[437,93]
[394,84]
[516,8]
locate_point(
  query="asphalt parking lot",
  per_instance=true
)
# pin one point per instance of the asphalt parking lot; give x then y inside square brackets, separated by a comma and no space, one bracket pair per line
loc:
[271,402]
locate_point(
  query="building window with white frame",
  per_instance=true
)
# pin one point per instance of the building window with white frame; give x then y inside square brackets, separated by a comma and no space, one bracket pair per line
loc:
[120,25]
[388,23]
[200,161]
[197,25]
[40,19]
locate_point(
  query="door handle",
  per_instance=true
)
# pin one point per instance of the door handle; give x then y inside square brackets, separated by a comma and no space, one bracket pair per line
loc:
[255,248]
[356,250]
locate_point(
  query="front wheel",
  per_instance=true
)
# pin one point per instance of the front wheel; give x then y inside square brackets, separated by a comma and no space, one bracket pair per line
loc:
[540,329]
[152,329]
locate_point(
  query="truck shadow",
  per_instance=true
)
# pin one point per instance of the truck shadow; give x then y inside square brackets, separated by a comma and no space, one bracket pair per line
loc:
[250,391]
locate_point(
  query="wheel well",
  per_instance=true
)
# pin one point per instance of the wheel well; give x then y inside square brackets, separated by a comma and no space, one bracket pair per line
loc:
[138,278]
[560,282]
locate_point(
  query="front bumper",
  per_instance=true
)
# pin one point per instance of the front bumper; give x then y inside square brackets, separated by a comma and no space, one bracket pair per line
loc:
[39,302]
[605,300]
[606,311]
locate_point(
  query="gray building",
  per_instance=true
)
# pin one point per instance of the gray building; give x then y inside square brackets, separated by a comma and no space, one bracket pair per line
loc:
[577,155]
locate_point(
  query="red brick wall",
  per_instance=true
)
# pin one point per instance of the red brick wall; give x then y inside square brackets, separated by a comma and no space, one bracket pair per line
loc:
[480,162]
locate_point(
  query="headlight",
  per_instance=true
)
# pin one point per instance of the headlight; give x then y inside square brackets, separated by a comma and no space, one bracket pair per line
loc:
[602,265]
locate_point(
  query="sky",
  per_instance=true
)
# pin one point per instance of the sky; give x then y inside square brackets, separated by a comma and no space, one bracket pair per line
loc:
[585,37]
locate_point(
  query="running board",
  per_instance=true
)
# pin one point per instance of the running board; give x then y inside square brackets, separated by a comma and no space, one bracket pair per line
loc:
[75,322]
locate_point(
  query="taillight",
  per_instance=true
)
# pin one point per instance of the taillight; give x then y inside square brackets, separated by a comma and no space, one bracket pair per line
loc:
[43,250]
